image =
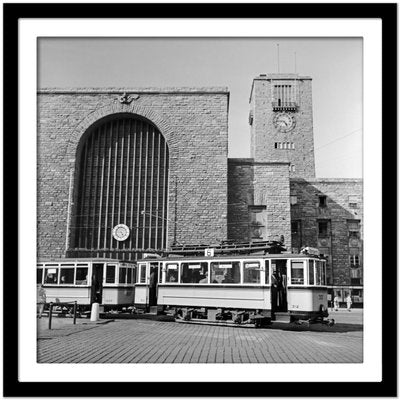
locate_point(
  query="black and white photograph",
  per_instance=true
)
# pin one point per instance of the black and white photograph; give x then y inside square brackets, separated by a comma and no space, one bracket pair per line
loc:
[182,205]
[203,200]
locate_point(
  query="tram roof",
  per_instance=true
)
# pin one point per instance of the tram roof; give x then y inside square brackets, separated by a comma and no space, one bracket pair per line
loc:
[82,260]
[230,257]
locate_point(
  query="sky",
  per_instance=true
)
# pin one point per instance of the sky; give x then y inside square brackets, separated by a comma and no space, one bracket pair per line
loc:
[334,64]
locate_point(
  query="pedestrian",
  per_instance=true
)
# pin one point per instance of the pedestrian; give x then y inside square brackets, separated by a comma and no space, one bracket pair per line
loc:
[336,303]
[153,288]
[41,300]
[348,301]
[274,292]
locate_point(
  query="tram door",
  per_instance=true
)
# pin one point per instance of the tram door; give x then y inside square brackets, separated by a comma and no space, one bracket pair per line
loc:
[153,283]
[97,283]
[279,286]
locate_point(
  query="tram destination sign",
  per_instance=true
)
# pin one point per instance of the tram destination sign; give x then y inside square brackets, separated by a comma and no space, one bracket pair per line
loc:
[209,252]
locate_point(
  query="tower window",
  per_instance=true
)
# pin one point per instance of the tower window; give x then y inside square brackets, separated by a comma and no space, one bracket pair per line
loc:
[322,201]
[257,223]
[284,145]
[293,168]
[354,228]
[295,226]
[355,273]
[323,228]
[354,257]
[354,261]
[284,97]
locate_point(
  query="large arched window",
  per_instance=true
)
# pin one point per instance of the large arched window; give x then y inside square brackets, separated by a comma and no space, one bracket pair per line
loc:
[122,178]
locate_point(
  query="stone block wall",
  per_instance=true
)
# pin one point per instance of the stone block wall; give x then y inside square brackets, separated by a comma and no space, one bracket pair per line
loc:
[240,196]
[344,203]
[264,135]
[272,189]
[194,122]
[263,187]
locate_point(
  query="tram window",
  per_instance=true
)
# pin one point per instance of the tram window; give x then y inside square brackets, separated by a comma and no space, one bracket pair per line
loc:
[225,272]
[297,273]
[251,272]
[267,272]
[193,272]
[172,273]
[81,276]
[66,276]
[129,275]
[39,275]
[51,275]
[122,274]
[110,274]
[158,269]
[318,273]
[142,277]
[311,272]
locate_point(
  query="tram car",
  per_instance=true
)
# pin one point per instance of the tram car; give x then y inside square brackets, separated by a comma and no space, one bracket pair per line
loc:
[235,287]
[109,282]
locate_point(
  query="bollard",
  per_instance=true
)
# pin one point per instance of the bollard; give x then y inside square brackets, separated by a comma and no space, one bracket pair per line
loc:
[74,312]
[94,315]
[50,313]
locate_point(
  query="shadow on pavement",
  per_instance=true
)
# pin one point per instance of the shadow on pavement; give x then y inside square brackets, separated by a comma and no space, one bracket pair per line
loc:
[317,327]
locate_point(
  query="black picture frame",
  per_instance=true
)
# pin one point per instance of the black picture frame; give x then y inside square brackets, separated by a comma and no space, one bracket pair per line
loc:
[12,387]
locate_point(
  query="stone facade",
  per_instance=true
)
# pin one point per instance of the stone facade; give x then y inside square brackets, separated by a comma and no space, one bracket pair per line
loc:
[195,125]
[258,195]
[268,143]
[273,195]
[338,203]
[323,213]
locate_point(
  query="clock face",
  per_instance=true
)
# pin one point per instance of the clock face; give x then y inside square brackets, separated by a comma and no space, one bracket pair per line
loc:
[120,232]
[284,122]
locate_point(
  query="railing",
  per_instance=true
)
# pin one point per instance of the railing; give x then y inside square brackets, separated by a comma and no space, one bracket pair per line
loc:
[51,305]
[227,247]
[284,105]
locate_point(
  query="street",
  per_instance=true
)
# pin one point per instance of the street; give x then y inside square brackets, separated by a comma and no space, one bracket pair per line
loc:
[146,341]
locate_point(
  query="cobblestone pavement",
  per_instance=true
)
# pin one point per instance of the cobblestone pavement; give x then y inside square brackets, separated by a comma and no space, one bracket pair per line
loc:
[354,316]
[144,341]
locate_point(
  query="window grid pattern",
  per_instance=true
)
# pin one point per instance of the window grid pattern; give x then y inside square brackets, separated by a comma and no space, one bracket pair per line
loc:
[354,261]
[284,145]
[284,96]
[123,179]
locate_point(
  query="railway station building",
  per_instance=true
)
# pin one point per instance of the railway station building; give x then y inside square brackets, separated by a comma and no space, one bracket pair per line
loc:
[123,171]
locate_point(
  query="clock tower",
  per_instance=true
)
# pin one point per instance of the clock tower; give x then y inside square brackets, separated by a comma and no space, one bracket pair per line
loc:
[281,122]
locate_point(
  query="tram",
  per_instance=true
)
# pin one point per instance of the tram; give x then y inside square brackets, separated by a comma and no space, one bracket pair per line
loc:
[241,288]
[109,282]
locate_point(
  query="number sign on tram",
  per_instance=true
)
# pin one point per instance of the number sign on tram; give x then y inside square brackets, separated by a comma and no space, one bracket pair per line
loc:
[209,252]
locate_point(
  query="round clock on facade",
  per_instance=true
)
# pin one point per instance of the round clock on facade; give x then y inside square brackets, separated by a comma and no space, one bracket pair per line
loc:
[120,232]
[284,122]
